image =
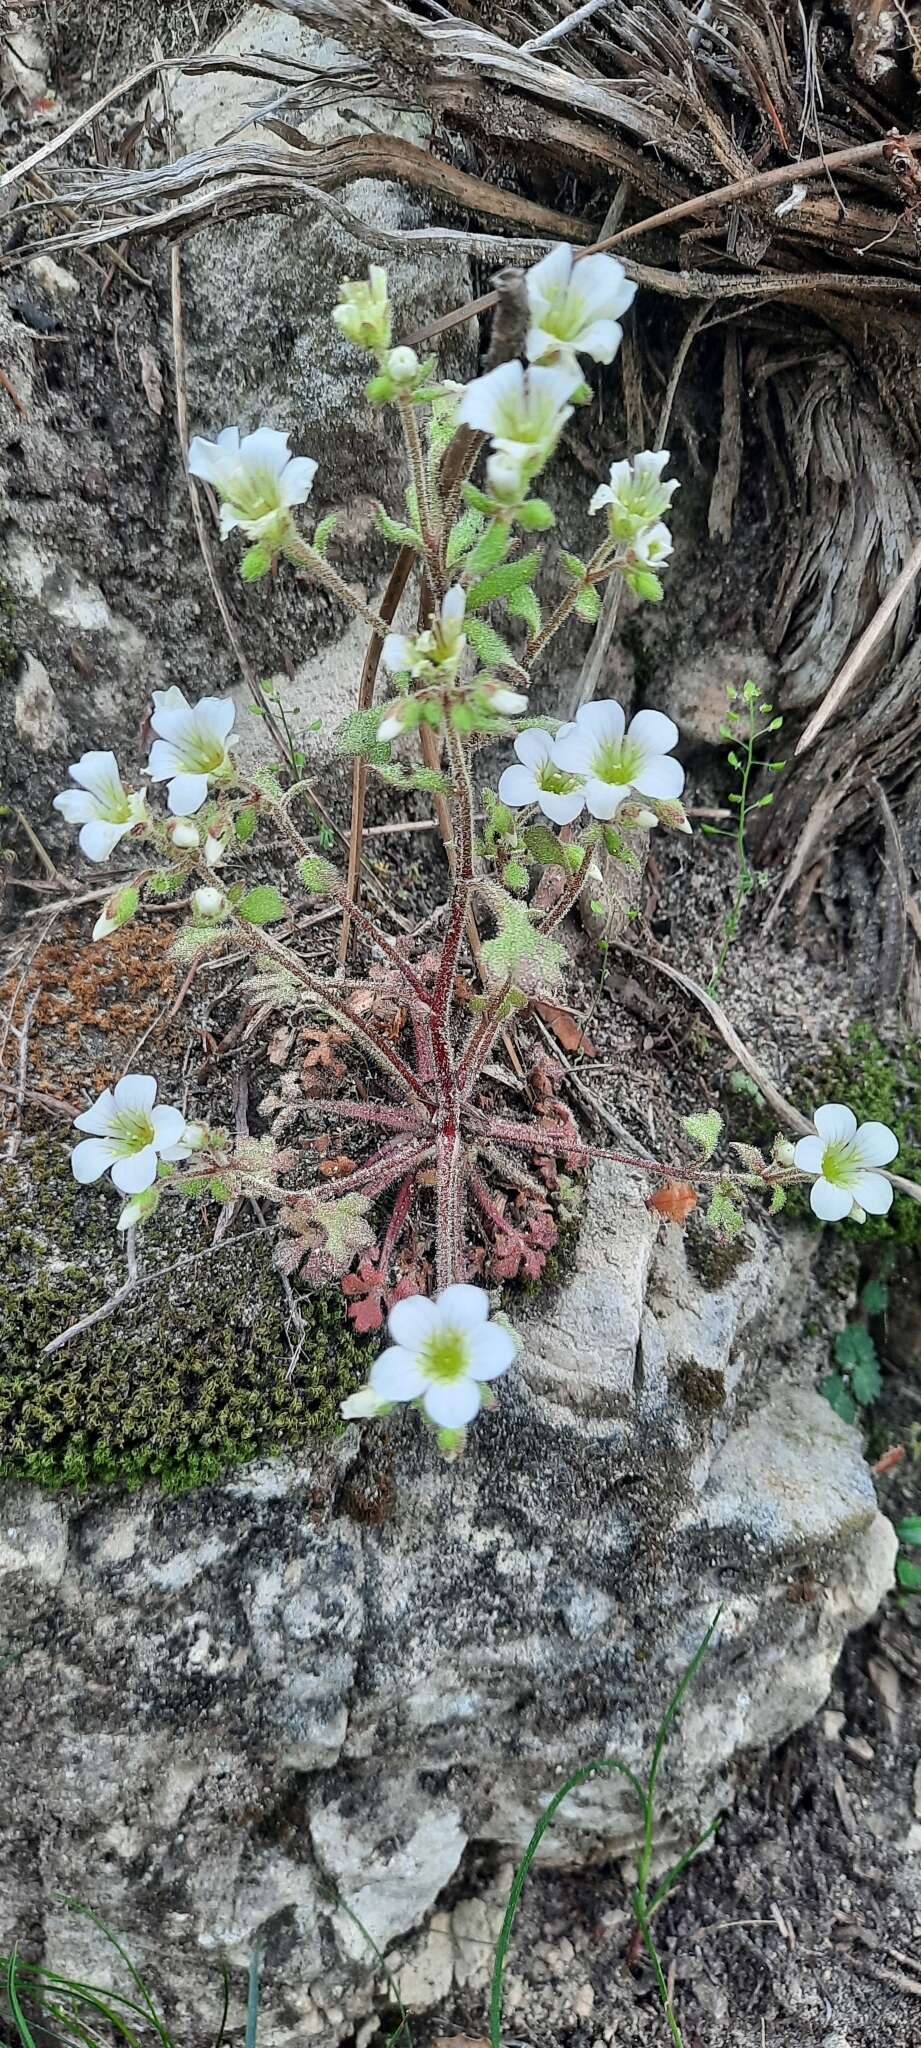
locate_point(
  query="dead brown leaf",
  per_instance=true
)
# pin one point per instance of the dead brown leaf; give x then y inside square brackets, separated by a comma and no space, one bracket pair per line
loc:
[567,1030]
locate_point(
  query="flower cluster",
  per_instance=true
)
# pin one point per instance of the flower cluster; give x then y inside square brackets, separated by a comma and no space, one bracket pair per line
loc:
[191,752]
[595,763]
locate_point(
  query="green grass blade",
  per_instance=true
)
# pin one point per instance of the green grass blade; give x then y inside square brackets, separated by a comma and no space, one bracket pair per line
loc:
[666,1727]
[151,2012]
[671,1877]
[252,2001]
[605,1765]
[389,1979]
[225,2008]
[26,2036]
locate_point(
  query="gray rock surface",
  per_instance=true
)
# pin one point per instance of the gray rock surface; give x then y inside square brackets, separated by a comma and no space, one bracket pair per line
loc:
[237,1713]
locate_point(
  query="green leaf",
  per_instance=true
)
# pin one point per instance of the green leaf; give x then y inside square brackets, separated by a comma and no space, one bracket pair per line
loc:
[778,1201]
[875,1297]
[519,948]
[245,825]
[644,584]
[909,1531]
[588,604]
[742,1084]
[125,905]
[393,530]
[522,604]
[544,846]
[866,1383]
[324,531]
[167,882]
[358,735]
[723,1214]
[615,844]
[318,876]
[414,778]
[500,582]
[263,905]
[908,1575]
[491,549]
[838,1398]
[467,530]
[256,562]
[854,1346]
[704,1131]
[575,566]
[515,875]
[493,651]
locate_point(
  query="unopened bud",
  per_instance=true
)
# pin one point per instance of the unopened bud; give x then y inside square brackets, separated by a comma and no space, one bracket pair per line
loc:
[504,479]
[196,1136]
[183,833]
[784,1152]
[214,850]
[647,820]
[105,922]
[208,903]
[402,366]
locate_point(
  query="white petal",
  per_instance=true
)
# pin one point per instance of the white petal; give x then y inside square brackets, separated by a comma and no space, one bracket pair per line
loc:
[876,1145]
[834,1122]
[873,1192]
[136,1172]
[601,340]
[228,441]
[604,721]
[395,1375]
[90,1159]
[136,1091]
[555,384]
[186,795]
[452,1403]
[98,1118]
[533,748]
[164,761]
[604,283]
[97,772]
[98,837]
[207,460]
[562,809]
[361,1405]
[170,714]
[653,730]
[808,1154]
[483,398]
[169,1125]
[660,776]
[76,805]
[398,653]
[266,449]
[829,1202]
[603,799]
[412,1321]
[517,786]
[215,716]
[454,605]
[492,1351]
[461,1307]
[603,496]
[508,703]
[551,274]
[297,481]
[574,751]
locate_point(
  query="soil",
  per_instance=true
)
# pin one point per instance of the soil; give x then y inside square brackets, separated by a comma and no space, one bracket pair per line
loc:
[802,1924]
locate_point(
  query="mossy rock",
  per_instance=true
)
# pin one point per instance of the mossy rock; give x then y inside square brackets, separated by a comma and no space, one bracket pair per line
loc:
[191,1376]
[881,1082]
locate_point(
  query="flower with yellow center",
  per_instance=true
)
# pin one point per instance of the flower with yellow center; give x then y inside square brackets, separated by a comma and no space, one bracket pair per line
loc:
[257,479]
[536,779]
[100,805]
[444,1352]
[843,1156]
[192,748]
[613,758]
[128,1135]
[575,308]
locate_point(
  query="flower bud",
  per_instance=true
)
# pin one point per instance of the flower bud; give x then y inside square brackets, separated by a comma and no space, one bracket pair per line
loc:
[196,1137]
[139,1208]
[183,833]
[208,903]
[105,923]
[504,479]
[363,312]
[506,703]
[396,719]
[647,820]
[402,366]
[215,849]
[784,1152]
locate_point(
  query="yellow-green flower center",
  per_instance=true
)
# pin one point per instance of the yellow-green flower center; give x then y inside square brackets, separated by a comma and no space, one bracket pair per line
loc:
[617,762]
[132,1131]
[554,781]
[202,753]
[446,1356]
[564,315]
[841,1163]
[254,493]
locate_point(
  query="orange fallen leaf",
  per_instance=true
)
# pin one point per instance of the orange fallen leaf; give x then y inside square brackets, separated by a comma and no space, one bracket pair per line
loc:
[889,1460]
[675,1202]
[567,1029]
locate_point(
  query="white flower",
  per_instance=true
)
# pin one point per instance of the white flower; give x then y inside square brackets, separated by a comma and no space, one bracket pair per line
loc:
[128,1135]
[499,698]
[539,781]
[614,761]
[443,1353]
[100,804]
[208,903]
[636,498]
[363,312]
[257,479]
[505,479]
[653,545]
[524,411]
[192,749]
[436,652]
[363,1405]
[575,308]
[843,1156]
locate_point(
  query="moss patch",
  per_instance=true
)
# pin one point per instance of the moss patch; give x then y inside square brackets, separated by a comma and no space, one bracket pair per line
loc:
[713,1260]
[189,1378]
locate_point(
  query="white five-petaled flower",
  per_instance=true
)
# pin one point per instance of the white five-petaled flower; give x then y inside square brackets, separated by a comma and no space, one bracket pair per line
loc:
[636,497]
[843,1156]
[100,805]
[256,477]
[575,308]
[536,779]
[128,1135]
[523,411]
[436,652]
[192,747]
[613,761]
[443,1353]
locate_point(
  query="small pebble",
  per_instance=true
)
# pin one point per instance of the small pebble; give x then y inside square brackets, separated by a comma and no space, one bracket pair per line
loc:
[584,2002]
[857,1745]
[831,1724]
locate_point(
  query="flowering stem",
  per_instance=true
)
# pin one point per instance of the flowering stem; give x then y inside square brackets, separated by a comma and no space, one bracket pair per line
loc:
[306,557]
[568,897]
[463,876]
[420,485]
[449,1247]
[567,601]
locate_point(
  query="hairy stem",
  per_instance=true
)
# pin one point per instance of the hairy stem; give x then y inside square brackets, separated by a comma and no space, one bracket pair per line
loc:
[449,1243]
[306,557]
[413,441]
[560,615]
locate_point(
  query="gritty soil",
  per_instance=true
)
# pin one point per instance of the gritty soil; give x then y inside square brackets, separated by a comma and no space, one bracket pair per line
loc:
[802,1924]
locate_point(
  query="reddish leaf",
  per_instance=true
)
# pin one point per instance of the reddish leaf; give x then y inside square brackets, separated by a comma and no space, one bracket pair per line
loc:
[675,1202]
[332,1168]
[567,1029]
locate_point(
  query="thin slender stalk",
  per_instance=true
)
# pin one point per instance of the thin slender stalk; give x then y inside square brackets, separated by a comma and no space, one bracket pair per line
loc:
[598,563]
[414,450]
[306,557]
[327,998]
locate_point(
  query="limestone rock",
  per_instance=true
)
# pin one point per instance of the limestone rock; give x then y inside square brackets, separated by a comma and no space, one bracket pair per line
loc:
[287,1717]
[52,278]
[37,714]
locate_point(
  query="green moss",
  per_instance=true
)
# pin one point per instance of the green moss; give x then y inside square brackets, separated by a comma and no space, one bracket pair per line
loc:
[703,1387]
[712,1259]
[190,1377]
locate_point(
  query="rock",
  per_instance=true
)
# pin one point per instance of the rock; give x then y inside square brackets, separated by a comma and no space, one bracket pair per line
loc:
[281,1713]
[52,278]
[425,1979]
[475,1925]
[694,695]
[37,714]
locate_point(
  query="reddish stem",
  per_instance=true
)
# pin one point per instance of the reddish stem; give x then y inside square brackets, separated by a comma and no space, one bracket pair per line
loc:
[401,1209]
[378,1113]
